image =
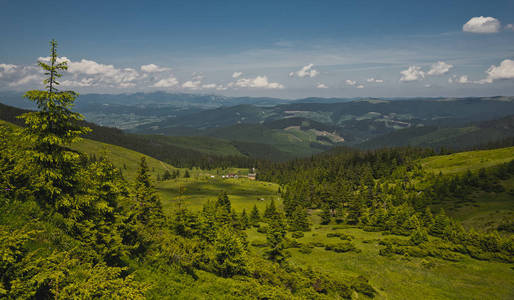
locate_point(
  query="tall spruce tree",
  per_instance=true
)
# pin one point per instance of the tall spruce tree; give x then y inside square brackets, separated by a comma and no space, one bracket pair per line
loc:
[255,216]
[49,131]
[148,204]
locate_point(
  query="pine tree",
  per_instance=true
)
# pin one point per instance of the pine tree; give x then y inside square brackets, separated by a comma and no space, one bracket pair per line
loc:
[275,236]
[166,175]
[299,220]
[326,215]
[49,131]
[186,174]
[148,204]
[271,210]
[223,201]
[245,222]
[230,256]
[440,223]
[255,217]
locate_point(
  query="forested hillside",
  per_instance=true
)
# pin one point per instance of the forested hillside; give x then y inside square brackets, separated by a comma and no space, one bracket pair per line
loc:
[393,223]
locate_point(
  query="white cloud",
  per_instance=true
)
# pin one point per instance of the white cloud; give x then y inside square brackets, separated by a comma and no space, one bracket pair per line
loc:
[360,86]
[463,79]
[237,74]
[321,86]
[257,82]
[306,71]
[209,86]
[428,85]
[194,85]
[152,68]
[482,25]
[351,82]
[504,71]
[509,27]
[7,69]
[166,82]
[371,79]
[81,83]
[25,80]
[439,68]
[413,73]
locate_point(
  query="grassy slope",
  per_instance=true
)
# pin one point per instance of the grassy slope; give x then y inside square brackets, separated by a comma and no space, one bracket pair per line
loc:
[471,160]
[399,277]
[243,193]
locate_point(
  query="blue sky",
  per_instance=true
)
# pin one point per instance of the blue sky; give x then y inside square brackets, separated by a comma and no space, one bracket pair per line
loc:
[286,49]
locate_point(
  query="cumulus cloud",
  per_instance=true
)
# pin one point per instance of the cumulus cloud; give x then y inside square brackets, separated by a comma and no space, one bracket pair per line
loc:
[25,80]
[152,68]
[190,84]
[166,82]
[306,71]
[237,74]
[504,71]
[482,25]
[257,82]
[360,86]
[371,80]
[7,69]
[509,27]
[351,82]
[321,86]
[413,73]
[439,68]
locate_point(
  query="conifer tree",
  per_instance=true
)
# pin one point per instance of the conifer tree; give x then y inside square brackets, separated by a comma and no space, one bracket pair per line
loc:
[326,215]
[271,210]
[275,236]
[229,253]
[148,204]
[223,201]
[299,220]
[440,223]
[49,131]
[245,222]
[255,217]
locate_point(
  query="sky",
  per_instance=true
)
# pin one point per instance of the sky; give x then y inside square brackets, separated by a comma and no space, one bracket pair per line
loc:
[287,49]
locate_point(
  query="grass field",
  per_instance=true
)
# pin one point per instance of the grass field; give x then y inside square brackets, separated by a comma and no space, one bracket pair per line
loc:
[471,160]
[400,277]
[485,211]
[243,193]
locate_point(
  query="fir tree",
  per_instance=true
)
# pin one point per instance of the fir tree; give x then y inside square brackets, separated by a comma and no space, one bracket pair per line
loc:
[326,215]
[275,236]
[271,210]
[49,131]
[255,217]
[299,220]
[166,175]
[148,204]
[230,256]
[223,201]
[245,222]
[440,223]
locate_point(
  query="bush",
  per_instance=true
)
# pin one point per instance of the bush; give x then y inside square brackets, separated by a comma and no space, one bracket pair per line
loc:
[259,244]
[305,249]
[297,234]
[341,247]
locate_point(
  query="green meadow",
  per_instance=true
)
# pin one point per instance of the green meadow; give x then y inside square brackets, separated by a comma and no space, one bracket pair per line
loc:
[464,161]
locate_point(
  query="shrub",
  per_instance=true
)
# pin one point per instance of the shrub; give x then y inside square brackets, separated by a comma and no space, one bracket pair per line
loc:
[297,234]
[341,247]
